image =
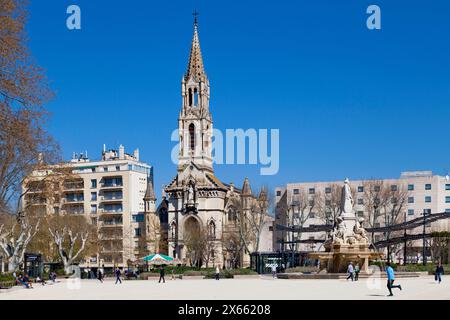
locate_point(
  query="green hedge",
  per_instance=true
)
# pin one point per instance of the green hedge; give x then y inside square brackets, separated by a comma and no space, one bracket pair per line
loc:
[6,277]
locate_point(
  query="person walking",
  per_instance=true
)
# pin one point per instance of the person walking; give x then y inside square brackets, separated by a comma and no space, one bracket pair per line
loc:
[351,272]
[439,272]
[100,275]
[118,274]
[217,274]
[357,271]
[391,279]
[274,271]
[161,274]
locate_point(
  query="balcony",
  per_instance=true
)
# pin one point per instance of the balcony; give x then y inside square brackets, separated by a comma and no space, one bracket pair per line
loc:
[111,199]
[72,186]
[110,212]
[73,201]
[111,224]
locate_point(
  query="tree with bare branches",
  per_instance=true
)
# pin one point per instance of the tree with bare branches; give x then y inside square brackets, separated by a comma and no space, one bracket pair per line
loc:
[14,239]
[72,236]
[24,141]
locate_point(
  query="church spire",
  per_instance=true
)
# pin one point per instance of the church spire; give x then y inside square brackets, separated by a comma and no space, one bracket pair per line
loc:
[196,69]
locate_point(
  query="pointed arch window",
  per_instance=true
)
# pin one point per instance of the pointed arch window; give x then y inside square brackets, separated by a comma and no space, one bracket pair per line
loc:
[190,97]
[232,217]
[195,101]
[192,136]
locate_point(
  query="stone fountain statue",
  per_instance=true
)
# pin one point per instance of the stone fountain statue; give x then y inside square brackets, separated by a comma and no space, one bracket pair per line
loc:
[348,240]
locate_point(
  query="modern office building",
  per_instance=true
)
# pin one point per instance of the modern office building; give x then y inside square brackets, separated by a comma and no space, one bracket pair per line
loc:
[419,192]
[110,192]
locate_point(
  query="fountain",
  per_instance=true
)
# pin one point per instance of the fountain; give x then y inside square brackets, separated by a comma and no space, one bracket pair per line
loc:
[348,242]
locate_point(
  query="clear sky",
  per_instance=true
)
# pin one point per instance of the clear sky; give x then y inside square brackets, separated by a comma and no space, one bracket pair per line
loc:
[348,101]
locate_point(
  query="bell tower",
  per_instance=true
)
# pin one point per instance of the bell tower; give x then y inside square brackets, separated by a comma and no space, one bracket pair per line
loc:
[195,124]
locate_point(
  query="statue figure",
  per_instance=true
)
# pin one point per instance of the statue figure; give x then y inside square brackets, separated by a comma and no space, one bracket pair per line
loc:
[338,234]
[346,198]
[190,199]
[360,232]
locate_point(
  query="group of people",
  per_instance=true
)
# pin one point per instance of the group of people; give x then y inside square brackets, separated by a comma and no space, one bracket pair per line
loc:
[353,272]
[25,280]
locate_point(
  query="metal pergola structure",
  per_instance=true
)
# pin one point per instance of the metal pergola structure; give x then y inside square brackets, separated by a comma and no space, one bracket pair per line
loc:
[407,225]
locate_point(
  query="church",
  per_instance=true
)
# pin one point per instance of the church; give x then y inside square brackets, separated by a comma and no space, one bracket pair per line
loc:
[202,210]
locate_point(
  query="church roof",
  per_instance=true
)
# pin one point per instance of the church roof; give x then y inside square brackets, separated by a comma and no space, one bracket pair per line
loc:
[196,69]
[246,189]
[150,192]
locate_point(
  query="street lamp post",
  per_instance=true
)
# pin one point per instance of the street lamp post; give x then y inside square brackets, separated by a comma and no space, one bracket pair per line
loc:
[424,249]
[404,242]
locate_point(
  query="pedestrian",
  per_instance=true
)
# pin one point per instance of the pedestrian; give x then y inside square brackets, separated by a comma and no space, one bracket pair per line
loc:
[217,274]
[439,272]
[274,271]
[100,275]
[118,274]
[26,279]
[357,271]
[40,280]
[391,279]
[351,272]
[161,274]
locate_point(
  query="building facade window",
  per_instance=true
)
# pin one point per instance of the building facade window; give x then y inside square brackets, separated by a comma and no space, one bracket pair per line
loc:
[410,199]
[360,214]
[410,187]
[427,199]
[94,208]
[93,196]
[360,201]
[137,232]
[447,187]
[105,169]
[278,193]
[296,191]
[360,189]
[428,186]
[312,191]
[93,183]
[447,199]
[328,190]
[410,212]
[394,188]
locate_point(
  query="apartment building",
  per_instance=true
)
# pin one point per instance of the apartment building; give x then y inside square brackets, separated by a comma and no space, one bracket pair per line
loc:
[423,192]
[110,193]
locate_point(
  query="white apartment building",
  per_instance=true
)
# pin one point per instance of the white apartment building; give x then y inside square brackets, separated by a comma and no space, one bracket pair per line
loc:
[110,193]
[426,193]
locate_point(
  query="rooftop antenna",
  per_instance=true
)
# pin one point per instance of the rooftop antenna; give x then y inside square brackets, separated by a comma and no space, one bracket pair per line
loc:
[104,147]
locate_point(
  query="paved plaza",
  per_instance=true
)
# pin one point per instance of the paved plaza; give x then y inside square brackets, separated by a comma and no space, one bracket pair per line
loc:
[265,288]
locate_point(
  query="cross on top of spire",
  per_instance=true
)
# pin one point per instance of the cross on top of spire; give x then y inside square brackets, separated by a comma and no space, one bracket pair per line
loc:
[195,14]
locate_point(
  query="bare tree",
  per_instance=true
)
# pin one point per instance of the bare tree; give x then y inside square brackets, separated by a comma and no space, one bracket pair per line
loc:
[14,240]
[196,242]
[72,235]
[374,197]
[305,205]
[23,91]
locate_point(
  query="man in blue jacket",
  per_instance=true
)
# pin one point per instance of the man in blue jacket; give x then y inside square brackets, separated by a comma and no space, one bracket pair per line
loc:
[391,279]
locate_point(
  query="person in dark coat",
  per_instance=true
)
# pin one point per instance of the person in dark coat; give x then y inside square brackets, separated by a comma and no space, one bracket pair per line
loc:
[439,272]
[118,274]
[161,274]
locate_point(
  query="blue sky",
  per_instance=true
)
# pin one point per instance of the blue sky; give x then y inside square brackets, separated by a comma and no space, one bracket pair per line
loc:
[348,101]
